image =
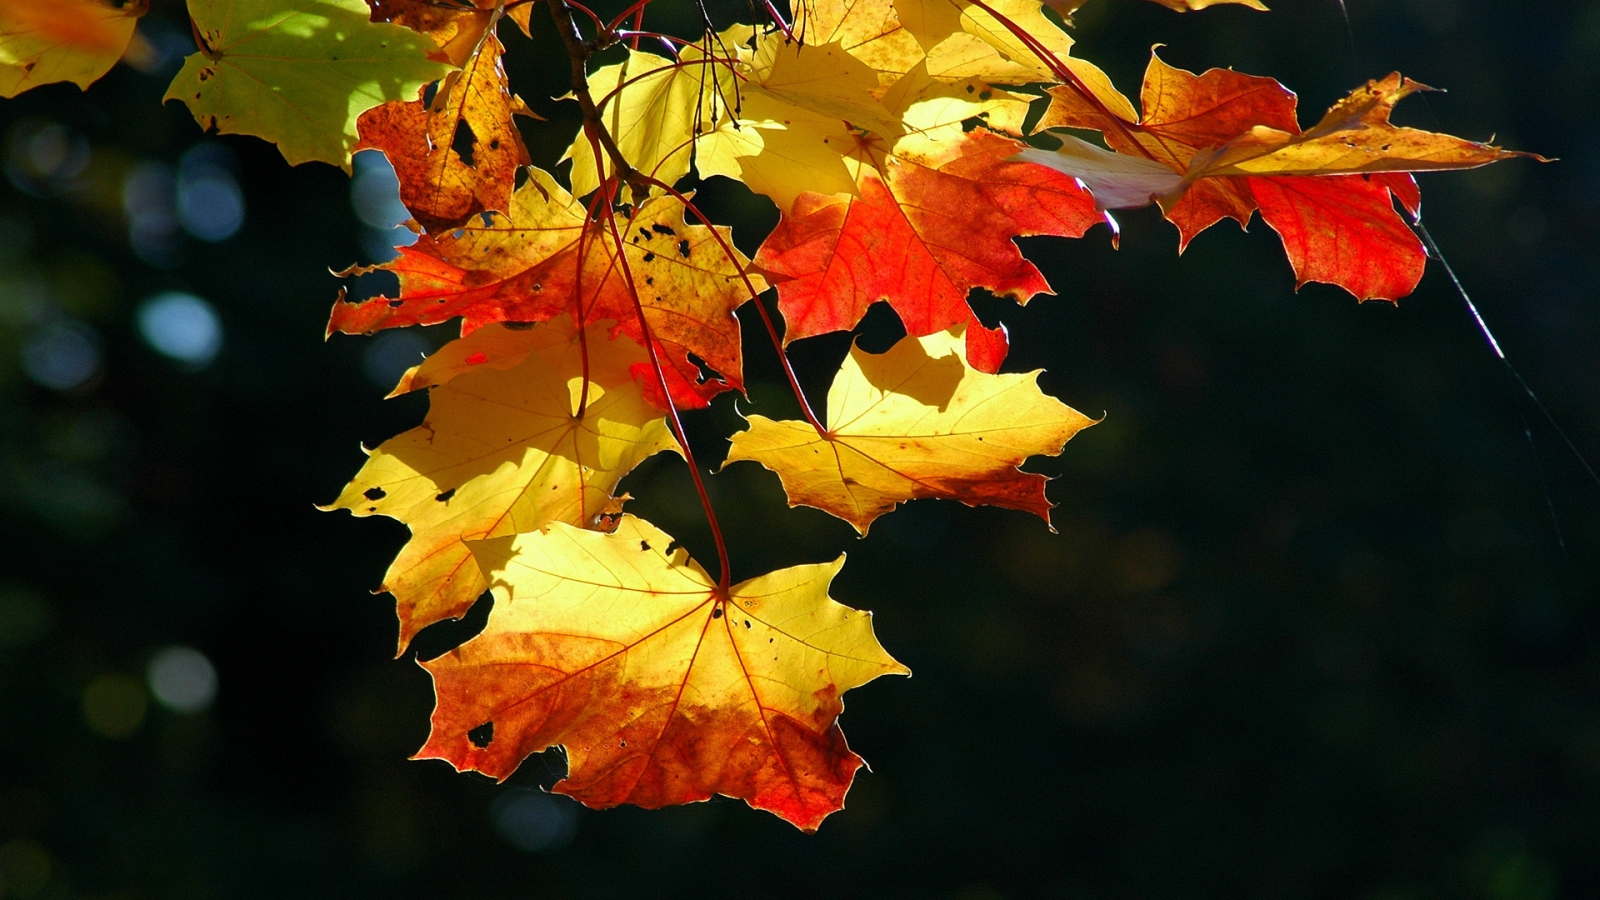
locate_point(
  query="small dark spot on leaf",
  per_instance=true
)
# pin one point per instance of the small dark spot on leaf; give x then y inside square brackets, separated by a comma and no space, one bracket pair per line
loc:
[482,736]
[644,545]
[650,279]
[376,493]
[683,248]
[518,326]
[716,613]
[649,257]
[659,228]
[445,497]
[747,623]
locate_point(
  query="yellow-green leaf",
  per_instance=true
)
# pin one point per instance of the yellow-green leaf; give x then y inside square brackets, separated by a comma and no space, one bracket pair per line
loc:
[299,72]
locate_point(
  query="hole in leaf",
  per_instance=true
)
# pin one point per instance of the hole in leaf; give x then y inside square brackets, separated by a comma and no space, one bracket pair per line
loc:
[644,545]
[464,142]
[376,493]
[716,613]
[482,736]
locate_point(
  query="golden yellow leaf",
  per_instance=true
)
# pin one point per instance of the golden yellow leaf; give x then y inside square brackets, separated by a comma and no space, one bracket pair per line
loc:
[649,104]
[503,451]
[45,41]
[1355,136]
[916,422]
[963,40]
[662,688]
[869,30]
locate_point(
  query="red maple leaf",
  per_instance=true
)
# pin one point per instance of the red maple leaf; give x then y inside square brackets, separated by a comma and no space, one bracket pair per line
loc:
[924,230]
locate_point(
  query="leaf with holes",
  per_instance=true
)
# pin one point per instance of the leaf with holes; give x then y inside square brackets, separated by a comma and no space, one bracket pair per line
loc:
[545,257]
[515,439]
[457,156]
[662,687]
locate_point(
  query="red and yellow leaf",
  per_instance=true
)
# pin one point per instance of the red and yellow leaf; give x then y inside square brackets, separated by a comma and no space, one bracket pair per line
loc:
[916,422]
[545,256]
[1236,143]
[661,688]
[937,225]
[472,110]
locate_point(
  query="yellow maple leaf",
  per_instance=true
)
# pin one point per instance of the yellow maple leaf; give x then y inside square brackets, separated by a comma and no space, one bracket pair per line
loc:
[1355,136]
[45,41]
[917,421]
[795,127]
[662,688]
[651,105]
[503,451]
[869,30]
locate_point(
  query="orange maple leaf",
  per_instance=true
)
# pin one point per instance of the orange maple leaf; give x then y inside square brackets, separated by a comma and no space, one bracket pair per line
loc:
[440,186]
[923,230]
[663,687]
[1230,144]
[545,256]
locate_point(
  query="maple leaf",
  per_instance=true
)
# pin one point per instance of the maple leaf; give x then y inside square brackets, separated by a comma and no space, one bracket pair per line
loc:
[456,30]
[45,41]
[662,688]
[781,116]
[1231,145]
[298,75]
[963,39]
[869,30]
[545,257]
[649,104]
[920,233]
[504,450]
[439,185]
[916,422]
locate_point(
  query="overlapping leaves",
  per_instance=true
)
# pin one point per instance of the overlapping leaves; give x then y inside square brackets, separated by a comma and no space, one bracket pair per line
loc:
[884,132]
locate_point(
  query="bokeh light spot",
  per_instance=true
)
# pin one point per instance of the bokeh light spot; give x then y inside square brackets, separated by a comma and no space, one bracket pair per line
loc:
[114,705]
[61,356]
[181,326]
[182,679]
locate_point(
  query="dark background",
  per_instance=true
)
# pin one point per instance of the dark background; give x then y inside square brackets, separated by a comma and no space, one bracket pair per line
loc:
[1308,629]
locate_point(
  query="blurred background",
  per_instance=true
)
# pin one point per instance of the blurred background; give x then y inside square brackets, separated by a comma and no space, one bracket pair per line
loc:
[1320,621]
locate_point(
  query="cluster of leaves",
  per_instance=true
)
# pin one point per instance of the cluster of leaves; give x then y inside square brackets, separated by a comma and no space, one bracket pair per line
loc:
[903,142]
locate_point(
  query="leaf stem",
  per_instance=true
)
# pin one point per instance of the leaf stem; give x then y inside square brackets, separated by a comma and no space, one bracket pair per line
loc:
[749,286]
[724,578]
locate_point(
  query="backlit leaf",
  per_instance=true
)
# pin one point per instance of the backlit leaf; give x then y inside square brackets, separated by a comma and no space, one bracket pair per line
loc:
[916,422]
[45,41]
[503,451]
[457,156]
[1235,142]
[545,257]
[298,73]
[922,231]
[661,688]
